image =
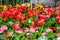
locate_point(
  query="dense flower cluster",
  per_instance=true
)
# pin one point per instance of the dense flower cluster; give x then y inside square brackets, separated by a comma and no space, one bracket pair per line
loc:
[27,22]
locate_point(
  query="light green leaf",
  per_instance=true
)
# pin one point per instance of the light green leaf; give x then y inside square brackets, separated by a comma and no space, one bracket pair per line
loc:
[43,38]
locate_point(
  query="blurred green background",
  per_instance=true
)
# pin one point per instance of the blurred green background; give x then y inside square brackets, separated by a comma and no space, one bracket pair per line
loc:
[12,2]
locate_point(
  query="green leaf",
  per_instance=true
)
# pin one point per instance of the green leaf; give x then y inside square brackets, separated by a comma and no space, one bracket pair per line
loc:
[16,37]
[1,22]
[57,24]
[10,30]
[51,35]
[32,36]
[30,20]
[1,9]
[49,22]
[37,33]
[10,23]
[42,29]
[43,38]
[55,39]
[24,38]
[57,31]
[2,36]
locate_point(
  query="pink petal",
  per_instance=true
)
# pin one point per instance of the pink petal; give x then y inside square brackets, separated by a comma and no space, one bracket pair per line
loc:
[32,30]
[10,34]
[43,34]
[4,28]
[20,31]
[1,31]
[27,34]
[48,30]
[58,34]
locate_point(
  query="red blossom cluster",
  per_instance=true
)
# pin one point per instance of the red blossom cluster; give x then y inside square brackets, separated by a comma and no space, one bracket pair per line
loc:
[17,13]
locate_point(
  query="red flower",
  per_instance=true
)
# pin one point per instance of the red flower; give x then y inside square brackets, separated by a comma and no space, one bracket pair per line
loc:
[58,18]
[35,19]
[24,22]
[24,7]
[42,10]
[58,8]
[23,16]
[40,22]
[5,19]
[15,26]
[0,14]
[53,28]
[21,8]
[41,16]
[18,16]
[10,7]
[12,11]
[33,24]
[5,13]
[48,14]
[31,13]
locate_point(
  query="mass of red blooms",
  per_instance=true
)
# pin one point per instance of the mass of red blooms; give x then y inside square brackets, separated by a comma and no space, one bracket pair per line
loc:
[22,13]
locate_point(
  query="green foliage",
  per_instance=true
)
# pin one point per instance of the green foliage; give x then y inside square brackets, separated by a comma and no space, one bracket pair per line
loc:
[19,36]
[2,36]
[57,31]
[32,36]
[24,38]
[51,21]
[10,22]
[1,22]
[57,24]
[51,35]
[30,20]
[1,9]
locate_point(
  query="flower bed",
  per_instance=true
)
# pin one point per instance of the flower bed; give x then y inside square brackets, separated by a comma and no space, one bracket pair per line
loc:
[23,23]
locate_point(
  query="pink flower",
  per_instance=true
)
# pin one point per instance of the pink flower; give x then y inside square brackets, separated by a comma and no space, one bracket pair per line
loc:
[47,16]
[36,29]
[4,28]
[43,34]
[10,34]
[58,34]
[20,31]
[27,34]
[1,31]
[48,30]
[32,30]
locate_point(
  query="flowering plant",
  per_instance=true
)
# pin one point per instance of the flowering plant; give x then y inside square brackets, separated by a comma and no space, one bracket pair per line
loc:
[23,23]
